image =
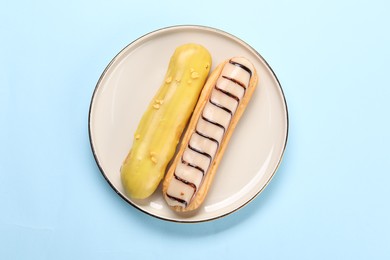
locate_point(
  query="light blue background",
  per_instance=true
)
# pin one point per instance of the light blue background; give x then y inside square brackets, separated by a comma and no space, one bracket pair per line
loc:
[329,198]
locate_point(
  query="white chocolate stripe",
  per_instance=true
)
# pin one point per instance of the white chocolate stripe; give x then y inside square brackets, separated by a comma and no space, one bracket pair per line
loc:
[189,173]
[224,100]
[196,158]
[236,73]
[210,130]
[215,114]
[243,63]
[179,192]
[230,87]
[203,144]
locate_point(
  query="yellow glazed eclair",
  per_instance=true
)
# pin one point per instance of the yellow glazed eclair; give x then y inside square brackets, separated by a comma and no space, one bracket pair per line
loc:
[163,122]
[220,106]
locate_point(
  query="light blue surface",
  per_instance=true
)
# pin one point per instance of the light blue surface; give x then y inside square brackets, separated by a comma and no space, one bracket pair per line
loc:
[329,198]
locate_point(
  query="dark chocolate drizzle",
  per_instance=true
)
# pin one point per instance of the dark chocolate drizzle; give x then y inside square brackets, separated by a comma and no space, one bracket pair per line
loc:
[178,200]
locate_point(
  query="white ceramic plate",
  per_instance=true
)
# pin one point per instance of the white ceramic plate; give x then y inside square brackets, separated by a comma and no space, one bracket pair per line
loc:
[130,81]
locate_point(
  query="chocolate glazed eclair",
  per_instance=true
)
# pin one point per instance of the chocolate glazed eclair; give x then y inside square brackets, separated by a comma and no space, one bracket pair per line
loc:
[220,106]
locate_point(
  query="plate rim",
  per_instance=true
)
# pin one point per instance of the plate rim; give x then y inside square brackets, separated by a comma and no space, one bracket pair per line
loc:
[161,30]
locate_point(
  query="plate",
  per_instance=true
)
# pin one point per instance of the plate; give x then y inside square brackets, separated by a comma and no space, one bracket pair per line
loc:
[130,81]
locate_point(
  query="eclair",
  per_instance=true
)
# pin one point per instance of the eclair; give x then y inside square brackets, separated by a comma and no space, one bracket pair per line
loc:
[221,104]
[163,122]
